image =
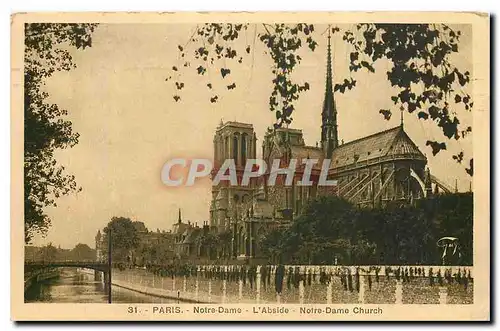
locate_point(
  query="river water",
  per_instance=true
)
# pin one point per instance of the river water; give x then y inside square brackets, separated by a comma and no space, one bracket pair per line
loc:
[80,287]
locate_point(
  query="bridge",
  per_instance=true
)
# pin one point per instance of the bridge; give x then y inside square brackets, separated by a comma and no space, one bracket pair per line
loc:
[99,266]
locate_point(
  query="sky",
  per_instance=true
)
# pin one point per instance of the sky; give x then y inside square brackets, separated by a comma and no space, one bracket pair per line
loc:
[129,125]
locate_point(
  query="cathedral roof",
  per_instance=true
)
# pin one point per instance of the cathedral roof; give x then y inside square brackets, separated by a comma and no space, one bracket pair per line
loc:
[304,152]
[393,142]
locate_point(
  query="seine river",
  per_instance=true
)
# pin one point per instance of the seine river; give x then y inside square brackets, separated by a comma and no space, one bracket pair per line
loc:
[80,287]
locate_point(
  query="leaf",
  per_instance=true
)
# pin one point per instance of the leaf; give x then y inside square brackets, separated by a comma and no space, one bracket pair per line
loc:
[436,147]
[422,115]
[209,85]
[458,98]
[224,72]
[470,170]
[201,70]
[367,66]
[180,48]
[174,68]
[232,86]
[248,49]
[214,99]
[177,98]
[459,157]
[386,112]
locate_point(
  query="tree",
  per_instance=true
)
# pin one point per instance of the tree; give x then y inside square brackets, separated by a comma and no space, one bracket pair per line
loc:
[83,252]
[224,239]
[47,253]
[331,228]
[428,84]
[209,241]
[45,128]
[453,215]
[271,245]
[124,238]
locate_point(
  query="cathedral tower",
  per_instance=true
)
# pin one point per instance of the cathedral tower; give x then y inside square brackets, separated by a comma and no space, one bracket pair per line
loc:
[329,134]
[237,141]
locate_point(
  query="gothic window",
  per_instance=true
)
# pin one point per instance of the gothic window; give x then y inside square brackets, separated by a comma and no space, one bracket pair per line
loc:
[226,147]
[235,147]
[244,138]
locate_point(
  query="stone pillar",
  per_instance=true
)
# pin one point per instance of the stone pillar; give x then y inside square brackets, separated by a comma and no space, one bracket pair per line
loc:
[238,149]
[361,295]
[162,282]
[224,291]
[184,285]
[250,240]
[173,284]
[301,292]
[443,295]
[240,289]
[209,291]
[257,285]
[196,286]
[233,242]
[399,292]
[329,292]
[254,146]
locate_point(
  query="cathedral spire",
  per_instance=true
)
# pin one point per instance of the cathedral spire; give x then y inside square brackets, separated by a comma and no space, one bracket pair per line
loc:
[329,134]
[180,218]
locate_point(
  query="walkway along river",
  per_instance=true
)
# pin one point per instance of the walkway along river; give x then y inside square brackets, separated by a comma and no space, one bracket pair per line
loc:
[80,287]
[300,285]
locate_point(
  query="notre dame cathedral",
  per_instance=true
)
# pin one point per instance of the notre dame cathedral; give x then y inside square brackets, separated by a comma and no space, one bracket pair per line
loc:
[370,171]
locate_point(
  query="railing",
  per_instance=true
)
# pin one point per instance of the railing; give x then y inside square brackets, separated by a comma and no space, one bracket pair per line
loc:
[306,284]
[32,265]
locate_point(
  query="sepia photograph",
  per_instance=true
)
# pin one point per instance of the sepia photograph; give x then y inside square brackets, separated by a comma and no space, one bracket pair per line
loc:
[201,167]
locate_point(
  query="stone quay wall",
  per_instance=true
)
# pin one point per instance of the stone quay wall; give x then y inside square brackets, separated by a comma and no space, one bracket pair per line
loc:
[306,284]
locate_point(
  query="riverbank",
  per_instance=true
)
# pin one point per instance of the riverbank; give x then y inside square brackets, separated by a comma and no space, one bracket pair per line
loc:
[158,292]
[183,289]
[368,288]
[33,277]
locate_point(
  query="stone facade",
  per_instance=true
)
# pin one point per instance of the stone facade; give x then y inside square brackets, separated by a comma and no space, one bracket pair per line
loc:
[384,167]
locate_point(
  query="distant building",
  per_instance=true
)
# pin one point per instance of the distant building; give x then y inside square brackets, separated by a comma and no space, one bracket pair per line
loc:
[153,247]
[189,238]
[100,247]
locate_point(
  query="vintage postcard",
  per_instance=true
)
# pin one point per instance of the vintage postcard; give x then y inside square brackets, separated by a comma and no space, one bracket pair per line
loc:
[250,166]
